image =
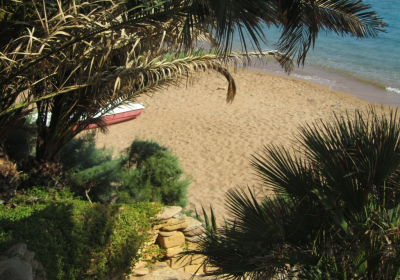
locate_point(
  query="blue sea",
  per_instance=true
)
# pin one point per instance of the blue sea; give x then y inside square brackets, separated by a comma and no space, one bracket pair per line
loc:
[368,68]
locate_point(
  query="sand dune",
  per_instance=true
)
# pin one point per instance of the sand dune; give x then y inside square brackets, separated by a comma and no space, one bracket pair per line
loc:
[215,140]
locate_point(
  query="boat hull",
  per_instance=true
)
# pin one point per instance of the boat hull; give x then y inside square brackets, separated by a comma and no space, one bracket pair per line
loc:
[117,118]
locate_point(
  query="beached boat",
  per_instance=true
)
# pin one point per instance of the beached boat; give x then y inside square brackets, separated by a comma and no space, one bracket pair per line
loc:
[124,112]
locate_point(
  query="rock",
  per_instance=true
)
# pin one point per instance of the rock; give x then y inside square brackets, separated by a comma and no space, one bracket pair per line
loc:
[34,264]
[193,224]
[180,222]
[153,236]
[175,240]
[19,249]
[141,271]
[194,232]
[197,259]
[168,212]
[192,246]
[172,251]
[139,264]
[176,263]
[159,265]
[15,270]
[194,239]
[167,233]
[175,227]
[165,274]
[195,269]
[210,269]
[28,256]
[40,266]
[160,225]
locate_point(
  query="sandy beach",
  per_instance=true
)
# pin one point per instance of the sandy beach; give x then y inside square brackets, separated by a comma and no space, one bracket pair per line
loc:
[215,140]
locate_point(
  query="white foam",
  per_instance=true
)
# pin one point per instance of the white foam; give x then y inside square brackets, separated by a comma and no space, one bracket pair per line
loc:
[396,90]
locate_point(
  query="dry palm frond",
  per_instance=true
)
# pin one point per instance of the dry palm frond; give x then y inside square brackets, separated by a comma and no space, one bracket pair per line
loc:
[96,53]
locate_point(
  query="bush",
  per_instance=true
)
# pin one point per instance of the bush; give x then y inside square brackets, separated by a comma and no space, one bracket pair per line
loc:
[20,144]
[74,239]
[149,172]
[152,173]
[89,168]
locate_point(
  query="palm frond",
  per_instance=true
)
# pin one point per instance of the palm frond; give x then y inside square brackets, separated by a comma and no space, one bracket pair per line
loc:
[303,20]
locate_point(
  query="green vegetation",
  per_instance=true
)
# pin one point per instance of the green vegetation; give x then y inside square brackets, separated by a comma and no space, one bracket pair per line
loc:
[335,212]
[74,239]
[152,173]
[20,143]
[74,61]
[148,172]
[90,171]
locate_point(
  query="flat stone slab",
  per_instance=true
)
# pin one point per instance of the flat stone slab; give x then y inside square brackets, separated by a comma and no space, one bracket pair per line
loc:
[19,249]
[194,232]
[161,274]
[177,219]
[175,227]
[173,251]
[168,212]
[193,224]
[167,233]
[159,265]
[141,271]
[194,239]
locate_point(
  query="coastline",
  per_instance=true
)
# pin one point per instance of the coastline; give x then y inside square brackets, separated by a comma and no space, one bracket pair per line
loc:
[335,81]
[215,141]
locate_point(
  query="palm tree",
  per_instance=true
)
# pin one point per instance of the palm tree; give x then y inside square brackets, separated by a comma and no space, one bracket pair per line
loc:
[335,209]
[74,59]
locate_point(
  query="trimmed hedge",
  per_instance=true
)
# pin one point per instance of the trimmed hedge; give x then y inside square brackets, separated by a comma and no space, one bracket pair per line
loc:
[74,239]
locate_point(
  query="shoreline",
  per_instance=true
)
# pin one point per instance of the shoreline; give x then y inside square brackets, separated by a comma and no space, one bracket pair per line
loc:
[334,81]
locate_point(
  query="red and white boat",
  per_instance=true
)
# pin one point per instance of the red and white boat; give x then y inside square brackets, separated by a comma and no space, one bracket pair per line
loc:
[127,111]
[122,113]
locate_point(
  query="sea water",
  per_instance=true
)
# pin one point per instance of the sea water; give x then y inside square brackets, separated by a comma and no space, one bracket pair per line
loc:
[368,68]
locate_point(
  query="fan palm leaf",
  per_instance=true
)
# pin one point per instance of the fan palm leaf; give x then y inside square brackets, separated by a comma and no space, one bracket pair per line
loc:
[335,209]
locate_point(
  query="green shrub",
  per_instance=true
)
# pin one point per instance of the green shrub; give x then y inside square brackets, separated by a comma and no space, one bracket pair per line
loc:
[81,153]
[90,168]
[155,176]
[141,150]
[74,239]
[149,172]
[20,144]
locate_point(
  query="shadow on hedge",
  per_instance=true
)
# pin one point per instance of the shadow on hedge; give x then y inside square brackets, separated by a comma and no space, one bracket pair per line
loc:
[76,240]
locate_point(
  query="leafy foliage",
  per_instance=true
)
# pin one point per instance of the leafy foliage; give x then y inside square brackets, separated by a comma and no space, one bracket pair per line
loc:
[73,239]
[90,169]
[335,212]
[155,175]
[20,143]
[147,172]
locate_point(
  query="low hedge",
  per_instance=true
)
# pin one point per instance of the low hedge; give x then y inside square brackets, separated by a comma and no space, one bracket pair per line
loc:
[73,238]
